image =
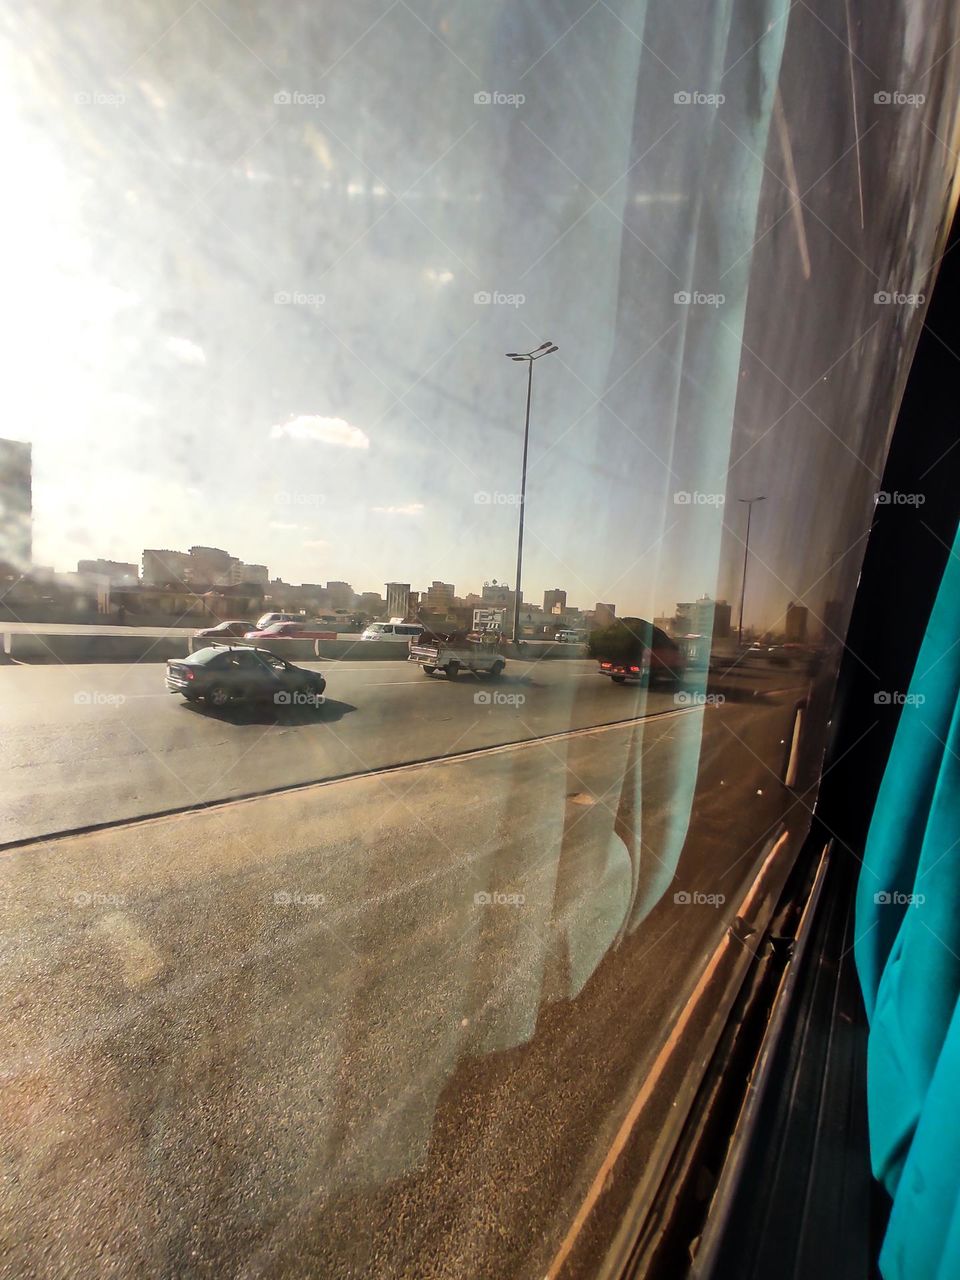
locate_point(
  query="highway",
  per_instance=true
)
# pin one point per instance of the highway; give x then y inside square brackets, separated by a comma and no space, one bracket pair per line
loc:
[376,1026]
[97,743]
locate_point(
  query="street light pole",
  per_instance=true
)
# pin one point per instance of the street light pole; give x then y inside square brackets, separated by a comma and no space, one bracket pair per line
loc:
[746,552]
[545,349]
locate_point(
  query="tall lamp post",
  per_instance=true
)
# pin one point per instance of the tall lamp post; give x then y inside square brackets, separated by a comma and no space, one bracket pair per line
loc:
[545,349]
[746,551]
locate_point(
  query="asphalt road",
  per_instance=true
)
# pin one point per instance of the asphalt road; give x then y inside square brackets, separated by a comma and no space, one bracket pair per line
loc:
[89,744]
[384,1026]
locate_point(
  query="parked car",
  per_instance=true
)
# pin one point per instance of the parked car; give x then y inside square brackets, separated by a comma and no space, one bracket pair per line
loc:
[224,630]
[403,632]
[226,674]
[266,619]
[290,631]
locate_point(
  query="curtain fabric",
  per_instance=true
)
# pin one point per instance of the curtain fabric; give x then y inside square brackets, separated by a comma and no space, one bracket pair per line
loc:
[908,957]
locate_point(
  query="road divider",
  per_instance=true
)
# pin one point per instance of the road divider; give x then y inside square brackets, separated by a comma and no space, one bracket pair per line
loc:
[68,649]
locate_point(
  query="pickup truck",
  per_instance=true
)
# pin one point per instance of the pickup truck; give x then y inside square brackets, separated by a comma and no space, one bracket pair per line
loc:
[453,652]
[632,649]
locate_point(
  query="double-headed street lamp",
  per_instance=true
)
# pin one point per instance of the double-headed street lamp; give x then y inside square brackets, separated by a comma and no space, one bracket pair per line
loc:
[746,552]
[545,349]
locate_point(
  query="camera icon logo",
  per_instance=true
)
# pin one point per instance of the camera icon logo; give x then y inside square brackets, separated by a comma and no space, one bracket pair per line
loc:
[482,99]
[682,99]
[882,698]
[483,698]
[682,299]
[682,498]
[682,899]
[882,298]
[882,899]
[482,298]
[283,698]
[883,97]
[282,299]
[283,98]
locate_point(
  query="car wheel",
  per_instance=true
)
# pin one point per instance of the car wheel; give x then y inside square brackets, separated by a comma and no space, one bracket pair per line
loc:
[619,679]
[217,696]
[428,671]
[453,670]
[497,669]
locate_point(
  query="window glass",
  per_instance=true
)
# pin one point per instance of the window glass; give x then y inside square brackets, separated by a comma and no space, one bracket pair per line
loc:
[380,996]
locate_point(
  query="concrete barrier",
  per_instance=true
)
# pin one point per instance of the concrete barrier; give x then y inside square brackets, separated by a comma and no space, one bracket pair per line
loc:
[291,649]
[69,649]
[362,650]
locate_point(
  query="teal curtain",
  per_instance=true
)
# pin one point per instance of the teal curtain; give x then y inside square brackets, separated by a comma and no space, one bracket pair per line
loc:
[908,957]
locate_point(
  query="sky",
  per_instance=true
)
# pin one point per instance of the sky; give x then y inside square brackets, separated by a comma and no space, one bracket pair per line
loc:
[262,274]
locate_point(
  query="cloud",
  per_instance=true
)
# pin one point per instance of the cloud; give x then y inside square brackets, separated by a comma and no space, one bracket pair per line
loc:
[317,542]
[310,426]
[187,351]
[410,509]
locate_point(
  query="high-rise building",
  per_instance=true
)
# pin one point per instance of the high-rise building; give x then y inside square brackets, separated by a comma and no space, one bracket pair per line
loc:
[210,566]
[795,630]
[255,574]
[604,615]
[703,617]
[16,504]
[398,599]
[439,596]
[497,595]
[551,599]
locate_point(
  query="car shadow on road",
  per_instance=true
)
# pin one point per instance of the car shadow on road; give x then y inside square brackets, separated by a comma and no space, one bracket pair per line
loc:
[265,713]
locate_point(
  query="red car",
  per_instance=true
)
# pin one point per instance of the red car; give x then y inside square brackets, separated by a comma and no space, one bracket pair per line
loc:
[289,631]
[225,630]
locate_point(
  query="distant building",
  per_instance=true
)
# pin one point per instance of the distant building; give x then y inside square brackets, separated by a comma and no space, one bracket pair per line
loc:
[165,568]
[256,574]
[604,615]
[118,572]
[553,599]
[16,504]
[702,617]
[795,631]
[340,595]
[398,599]
[371,602]
[497,595]
[439,596]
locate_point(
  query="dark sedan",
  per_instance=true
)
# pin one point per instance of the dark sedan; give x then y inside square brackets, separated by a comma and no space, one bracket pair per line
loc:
[229,674]
[225,631]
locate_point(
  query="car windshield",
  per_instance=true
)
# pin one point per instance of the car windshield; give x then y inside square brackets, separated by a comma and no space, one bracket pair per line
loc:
[602,312]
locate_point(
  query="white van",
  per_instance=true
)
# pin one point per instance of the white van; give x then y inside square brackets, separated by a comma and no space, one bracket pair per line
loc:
[568,637]
[402,632]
